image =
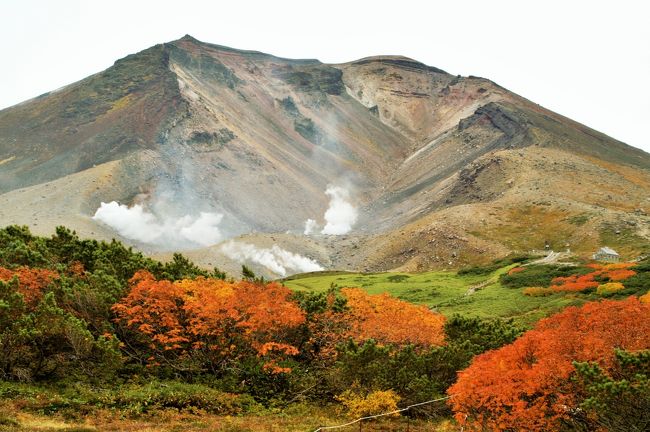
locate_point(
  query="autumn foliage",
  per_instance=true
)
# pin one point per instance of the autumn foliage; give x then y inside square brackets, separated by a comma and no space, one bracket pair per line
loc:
[515,270]
[31,281]
[610,288]
[100,314]
[645,298]
[527,385]
[390,320]
[206,324]
[537,291]
[378,401]
[210,322]
[610,272]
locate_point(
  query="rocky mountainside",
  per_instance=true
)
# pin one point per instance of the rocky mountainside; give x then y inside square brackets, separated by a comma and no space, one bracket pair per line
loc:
[442,170]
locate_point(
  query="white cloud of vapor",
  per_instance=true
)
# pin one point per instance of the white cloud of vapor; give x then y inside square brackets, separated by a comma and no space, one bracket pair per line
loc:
[341,215]
[276,259]
[311,226]
[136,223]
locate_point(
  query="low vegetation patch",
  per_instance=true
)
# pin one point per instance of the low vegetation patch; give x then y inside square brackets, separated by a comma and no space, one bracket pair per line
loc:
[602,279]
[89,328]
[496,265]
[537,291]
[76,400]
[539,275]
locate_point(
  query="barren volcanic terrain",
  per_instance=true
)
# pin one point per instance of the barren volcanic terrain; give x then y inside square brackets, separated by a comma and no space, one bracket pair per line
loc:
[399,165]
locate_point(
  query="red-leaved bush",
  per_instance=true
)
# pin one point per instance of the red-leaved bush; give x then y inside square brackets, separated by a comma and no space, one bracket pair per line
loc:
[527,385]
[32,281]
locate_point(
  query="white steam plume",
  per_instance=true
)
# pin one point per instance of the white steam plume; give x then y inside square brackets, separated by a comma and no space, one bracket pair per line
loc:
[311,226]
[276,259]
[136,223]
[341,215]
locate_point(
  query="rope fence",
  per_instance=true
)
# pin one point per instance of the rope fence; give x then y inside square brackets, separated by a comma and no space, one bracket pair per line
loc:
[322,428]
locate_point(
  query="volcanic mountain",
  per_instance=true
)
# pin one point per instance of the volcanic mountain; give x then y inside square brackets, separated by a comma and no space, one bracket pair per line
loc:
[443,170]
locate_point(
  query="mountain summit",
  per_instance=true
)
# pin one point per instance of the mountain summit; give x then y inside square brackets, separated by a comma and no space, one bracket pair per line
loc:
[438,170]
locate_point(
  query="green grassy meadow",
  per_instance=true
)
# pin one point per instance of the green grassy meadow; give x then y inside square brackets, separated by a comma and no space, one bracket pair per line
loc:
[444,291]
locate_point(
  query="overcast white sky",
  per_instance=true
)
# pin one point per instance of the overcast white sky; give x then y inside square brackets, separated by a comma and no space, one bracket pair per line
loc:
[588,60]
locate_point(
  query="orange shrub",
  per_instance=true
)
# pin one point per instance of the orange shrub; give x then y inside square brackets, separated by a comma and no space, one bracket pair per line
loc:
[390,320]
[515,270]
[562,279]
[618,266]
[614,272]
[574,283]
[32,281]
[76,268]
[211,318]
[527,385]
[619,275]
[154,309]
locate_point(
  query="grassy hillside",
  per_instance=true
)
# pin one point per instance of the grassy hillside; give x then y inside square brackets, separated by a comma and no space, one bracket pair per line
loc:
[447,292]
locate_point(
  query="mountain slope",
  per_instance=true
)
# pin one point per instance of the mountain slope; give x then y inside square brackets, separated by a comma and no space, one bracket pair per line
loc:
[101,118]
[445,170]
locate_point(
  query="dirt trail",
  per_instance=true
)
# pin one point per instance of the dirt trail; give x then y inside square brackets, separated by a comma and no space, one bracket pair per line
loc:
[548,259]
[553,258]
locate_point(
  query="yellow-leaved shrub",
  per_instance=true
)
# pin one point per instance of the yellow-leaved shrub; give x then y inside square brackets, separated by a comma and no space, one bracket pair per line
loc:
[376,402]
[537,291]
[609,288]
[645,298]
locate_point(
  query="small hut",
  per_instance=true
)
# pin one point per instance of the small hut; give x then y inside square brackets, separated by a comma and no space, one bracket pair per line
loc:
[606,254]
